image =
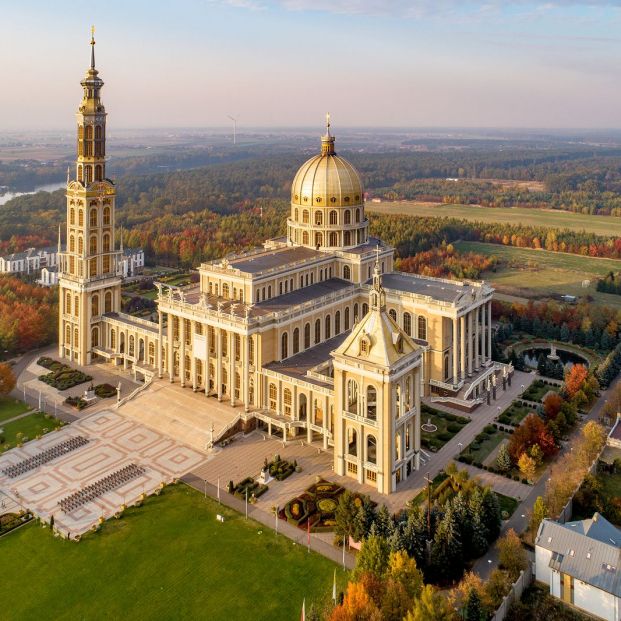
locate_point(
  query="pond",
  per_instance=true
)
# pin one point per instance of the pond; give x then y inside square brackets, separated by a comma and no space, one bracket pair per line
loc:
[567,358]
[49,187]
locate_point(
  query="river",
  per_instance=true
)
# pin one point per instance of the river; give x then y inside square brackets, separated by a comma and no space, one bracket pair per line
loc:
[50,187]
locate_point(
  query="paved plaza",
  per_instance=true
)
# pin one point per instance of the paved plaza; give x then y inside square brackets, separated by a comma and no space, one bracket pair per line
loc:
[112,444]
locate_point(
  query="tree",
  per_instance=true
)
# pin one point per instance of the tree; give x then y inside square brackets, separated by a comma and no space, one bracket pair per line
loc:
[384,523]
[415,535]
[479,538]
[357,605]
[540,511]
[430,605]
[574,379]
[497,586]
[7,379]
[536,453]
[403,569]
[527,466]
[594,438]
[511,554]
[373,556]
[473,610]
[503,459]
[345,515]
[490,514]
[532,431]
[447,551]
[552,405]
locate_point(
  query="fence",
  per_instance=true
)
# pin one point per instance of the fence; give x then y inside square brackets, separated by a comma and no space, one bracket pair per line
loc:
[566,511]
[45,403]
[261,515]
[517,588]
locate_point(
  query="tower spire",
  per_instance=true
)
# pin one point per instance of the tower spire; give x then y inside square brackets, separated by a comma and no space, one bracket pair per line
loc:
[59,248]
[92,47]
[327,141]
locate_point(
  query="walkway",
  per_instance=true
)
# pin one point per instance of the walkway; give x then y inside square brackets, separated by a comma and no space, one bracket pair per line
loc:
[498,483]
[10,420]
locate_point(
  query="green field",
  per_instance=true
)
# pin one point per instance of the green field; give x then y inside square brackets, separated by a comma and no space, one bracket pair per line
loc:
[10,408]
[600,225]
[540,273]
[170,559]
[30,426]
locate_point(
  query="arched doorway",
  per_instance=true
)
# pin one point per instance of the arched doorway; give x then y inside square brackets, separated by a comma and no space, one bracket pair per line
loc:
[303,408]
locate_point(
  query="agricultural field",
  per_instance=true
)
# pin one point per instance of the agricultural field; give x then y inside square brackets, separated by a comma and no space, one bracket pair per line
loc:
[600,225]
[541,273]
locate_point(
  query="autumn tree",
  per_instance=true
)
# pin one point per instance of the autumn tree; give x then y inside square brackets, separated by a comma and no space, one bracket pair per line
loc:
[373,556]
[552,405]
[575,378]
[430,605]
[7,379]
[511,554]
[527,466]
[539,513]
[532,431]
[357,605]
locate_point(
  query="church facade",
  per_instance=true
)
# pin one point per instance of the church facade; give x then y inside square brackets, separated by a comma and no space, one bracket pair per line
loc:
[312,336]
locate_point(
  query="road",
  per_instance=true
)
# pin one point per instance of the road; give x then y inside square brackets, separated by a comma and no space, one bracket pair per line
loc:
[519,520]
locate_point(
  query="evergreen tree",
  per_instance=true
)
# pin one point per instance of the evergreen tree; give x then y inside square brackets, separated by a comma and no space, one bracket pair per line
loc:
[473,610]
[503,459]
[345,515]
[363,519]
[490,516]
[541,364]
[396,541]
[415,536]
[479,539]
[447,550]
[564,335]
[462,516]
[384,524]
[373,557]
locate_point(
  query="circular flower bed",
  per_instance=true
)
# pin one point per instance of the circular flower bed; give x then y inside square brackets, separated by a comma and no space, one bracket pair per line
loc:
[326,505]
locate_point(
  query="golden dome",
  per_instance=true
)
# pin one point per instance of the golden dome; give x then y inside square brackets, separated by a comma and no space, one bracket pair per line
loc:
[327,180]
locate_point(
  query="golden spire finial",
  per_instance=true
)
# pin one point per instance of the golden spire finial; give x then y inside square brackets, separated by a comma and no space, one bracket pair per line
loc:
[328,123]
[327,141]
[93,34]
[92,47]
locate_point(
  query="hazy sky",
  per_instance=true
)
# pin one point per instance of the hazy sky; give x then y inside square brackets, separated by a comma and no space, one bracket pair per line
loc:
[286,62]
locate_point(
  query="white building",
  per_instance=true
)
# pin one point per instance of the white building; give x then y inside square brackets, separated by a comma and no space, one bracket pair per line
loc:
[580,562]
[131,262]
[49,276]
[29,261]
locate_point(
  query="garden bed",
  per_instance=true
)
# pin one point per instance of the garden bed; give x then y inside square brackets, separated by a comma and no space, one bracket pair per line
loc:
[249,485]
[279,468]
[482,446]
[61,376]
[449,425]
[539,389]
[9,521]
[514,414]
[105,391]
[76,402]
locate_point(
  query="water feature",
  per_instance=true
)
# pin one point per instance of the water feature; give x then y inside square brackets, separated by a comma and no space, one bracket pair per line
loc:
[48,187]
[566,358]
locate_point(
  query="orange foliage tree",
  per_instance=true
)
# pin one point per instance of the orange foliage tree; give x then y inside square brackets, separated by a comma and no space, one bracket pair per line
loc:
[575,379]
[7,379]
[532,431]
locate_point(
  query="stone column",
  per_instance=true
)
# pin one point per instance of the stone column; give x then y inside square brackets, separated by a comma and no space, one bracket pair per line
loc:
[246,373]
[477,340]
[171,353]
[455,353]
[484,352]
[470,348]
[219,363]
[182,351]
[489,329]
[462,329]
[193,369]
[326,422]
[232,367]
[160,342]
[206,361]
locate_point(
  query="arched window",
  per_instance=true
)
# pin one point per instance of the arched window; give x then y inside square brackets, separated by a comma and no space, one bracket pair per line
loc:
[286,399]
[408,394]
[225,290]
[92,267]
[356,311]
[76,306]
[318,239]
[305,216]
[152,357]
[71,243]
[334,218]
[393,313]
[68,303]
[327,334]
[269,292]
[251,349]
[80,244]
[272,397]
[358,215]
[347,318]
[93,217]
[318,218]
[422,328]
[371,449]
[80,217]
[97,132]
[112,339]
[89,132]
[131,345]
[98,172]
[92,246]
[95,337]
[237,385]
[106,216]
[307,336]
[365,309]
[371,403]
[346,272]
[407,323]
[76,337]
[347,219]
[352,442]
[352,396]
[317,331]
[296,215]
[296,340]
[237,340]
[347,238]
[305,238]
[337,322]
[88,170]
[108,302]
[95,305]
[106,243]
[284,346]
[302,407]
[397,401]
[334,239]
[72,216]
[80,177]
[68,335]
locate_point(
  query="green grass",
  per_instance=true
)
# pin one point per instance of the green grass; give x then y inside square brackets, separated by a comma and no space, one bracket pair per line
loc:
[540,273]
[442,420]
[486,445]
[507,503]
[30,426]
[600,225]
[170,559]
[537,390]
[514,414]
[11,407]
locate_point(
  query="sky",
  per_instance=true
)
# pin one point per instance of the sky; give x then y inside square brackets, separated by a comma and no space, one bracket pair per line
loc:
[285,63]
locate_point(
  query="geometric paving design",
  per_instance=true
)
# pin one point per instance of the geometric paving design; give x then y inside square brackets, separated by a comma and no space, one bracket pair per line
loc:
[114,442]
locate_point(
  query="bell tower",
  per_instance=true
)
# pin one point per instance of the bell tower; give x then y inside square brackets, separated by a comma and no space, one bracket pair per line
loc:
[89,285]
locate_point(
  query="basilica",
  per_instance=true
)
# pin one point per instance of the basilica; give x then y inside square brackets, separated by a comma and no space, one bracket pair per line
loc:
[313,336]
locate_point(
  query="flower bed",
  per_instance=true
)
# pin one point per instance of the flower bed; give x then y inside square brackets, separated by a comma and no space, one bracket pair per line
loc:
[104,391]
[76,402]
[316,506]
[279,468]
[249,484]
[61,376]
[9,521]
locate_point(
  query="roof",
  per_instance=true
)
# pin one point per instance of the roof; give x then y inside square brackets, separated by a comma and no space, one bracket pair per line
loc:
[451,291]
[271,259]
[615,432]
[297,366]
[588,550]
[305,294]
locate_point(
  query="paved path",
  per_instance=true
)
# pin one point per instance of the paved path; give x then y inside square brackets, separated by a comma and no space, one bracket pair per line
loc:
[498,483]
[10,420]
[519,520]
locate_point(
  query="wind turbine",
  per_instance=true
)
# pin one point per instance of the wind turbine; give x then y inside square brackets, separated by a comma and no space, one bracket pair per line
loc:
[234,127]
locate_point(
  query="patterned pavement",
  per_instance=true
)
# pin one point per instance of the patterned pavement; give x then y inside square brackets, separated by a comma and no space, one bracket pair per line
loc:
[114,442]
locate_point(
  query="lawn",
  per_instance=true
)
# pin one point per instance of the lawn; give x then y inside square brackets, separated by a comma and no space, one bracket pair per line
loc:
[540,273]
[538,389]
[30,426]
[600,225]
[11,407]
[508,504]
[170,559]
[448,426]
[483,444]
[514,414]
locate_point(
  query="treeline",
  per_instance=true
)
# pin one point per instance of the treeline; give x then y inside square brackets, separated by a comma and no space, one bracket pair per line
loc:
[609,284]
[28,315]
